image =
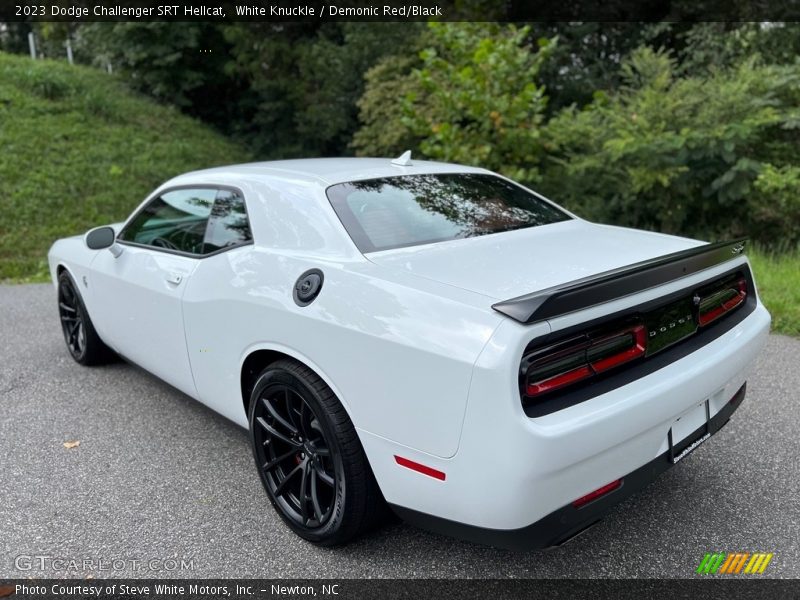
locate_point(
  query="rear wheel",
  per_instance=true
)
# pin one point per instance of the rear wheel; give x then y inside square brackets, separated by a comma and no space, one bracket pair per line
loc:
[309,457]
[83,343]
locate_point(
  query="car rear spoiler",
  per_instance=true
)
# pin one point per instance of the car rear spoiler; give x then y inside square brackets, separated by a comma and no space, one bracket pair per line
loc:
[617,283]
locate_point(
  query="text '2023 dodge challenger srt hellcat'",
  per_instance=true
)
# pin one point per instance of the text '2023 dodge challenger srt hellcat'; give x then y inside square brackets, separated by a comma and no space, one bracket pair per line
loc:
[427,336]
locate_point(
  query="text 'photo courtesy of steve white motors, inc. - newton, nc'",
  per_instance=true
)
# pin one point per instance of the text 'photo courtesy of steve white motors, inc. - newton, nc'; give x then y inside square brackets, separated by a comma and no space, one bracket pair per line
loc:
[254,10]
[213,589]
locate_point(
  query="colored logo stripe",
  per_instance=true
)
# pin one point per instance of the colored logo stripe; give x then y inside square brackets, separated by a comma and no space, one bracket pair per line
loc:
[734,563]
[711,562]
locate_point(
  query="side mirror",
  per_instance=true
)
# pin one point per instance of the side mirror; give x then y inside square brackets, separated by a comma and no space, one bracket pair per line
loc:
[102,237]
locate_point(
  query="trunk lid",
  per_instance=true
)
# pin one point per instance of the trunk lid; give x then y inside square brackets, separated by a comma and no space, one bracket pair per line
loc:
[507,265]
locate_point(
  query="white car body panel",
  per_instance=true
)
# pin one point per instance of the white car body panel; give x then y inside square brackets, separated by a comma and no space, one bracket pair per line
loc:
[544,256]
[407,339]
[137,304]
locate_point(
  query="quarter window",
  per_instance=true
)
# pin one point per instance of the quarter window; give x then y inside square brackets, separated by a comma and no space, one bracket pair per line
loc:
[227,225]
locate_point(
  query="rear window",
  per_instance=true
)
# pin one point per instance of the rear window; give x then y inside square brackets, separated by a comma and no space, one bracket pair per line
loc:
[409,210]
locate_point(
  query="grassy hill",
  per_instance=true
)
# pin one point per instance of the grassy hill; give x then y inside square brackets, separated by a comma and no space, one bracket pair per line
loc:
[78,149]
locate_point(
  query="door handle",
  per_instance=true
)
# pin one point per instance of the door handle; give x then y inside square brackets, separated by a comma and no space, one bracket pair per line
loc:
[174,278]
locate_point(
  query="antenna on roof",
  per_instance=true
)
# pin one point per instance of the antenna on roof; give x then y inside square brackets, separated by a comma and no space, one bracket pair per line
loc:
[404,160]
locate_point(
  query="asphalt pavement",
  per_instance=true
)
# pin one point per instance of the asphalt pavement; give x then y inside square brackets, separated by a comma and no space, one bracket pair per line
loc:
[159,480]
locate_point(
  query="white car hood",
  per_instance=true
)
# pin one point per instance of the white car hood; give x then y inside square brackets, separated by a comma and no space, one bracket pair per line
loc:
[507,265]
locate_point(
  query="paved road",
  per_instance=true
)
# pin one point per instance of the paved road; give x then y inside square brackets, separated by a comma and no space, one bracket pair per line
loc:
[159,476]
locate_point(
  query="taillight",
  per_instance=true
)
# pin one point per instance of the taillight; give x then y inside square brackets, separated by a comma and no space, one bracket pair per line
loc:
[722,301]
[581,358]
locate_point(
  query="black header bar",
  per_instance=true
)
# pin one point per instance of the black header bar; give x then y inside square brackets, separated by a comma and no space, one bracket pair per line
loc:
[698,588]
[400,10]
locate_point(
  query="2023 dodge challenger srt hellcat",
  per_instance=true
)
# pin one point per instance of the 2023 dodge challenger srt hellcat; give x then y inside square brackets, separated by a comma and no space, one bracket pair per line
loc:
[431,336]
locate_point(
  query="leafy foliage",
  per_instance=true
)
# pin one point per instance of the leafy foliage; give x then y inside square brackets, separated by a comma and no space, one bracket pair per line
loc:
[79,150]
[700,156]
[305,80]
[383,131]
[183,64]
[479,103]
[469,96]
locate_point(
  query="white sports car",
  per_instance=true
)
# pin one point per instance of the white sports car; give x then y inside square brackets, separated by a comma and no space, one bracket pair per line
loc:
[431,336]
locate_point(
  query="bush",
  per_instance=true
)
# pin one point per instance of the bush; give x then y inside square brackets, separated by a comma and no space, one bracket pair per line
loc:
[700,156]
[470,96]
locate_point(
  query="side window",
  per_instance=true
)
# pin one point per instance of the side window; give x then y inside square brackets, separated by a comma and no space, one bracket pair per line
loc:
[175,220]
[227,225]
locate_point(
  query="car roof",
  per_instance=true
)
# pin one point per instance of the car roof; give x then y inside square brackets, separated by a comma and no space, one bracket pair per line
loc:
[327,171]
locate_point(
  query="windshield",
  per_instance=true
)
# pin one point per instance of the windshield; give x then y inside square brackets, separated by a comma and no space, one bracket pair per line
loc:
[392,212]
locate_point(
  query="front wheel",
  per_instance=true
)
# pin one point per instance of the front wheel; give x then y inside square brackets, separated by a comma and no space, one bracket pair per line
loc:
[83,343]
[309,457]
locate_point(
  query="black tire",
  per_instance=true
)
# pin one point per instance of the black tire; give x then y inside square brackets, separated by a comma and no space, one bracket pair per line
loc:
[83,343]
[302,438]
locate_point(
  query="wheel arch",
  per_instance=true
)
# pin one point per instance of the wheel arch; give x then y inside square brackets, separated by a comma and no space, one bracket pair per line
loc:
[60,268]
[259,357]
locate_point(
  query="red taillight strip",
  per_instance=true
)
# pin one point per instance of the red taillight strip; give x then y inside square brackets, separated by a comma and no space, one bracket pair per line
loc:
[419,468]
[714,314]
[558,381]
[640,346]
[601,491]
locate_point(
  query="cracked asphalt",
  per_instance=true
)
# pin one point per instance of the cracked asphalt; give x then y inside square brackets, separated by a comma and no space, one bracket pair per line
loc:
[159,476]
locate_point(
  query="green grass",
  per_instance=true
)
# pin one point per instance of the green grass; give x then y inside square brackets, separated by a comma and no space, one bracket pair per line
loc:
[78,149]
[778,280]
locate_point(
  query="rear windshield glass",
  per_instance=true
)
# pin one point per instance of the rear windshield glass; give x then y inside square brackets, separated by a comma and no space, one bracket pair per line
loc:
[392,212]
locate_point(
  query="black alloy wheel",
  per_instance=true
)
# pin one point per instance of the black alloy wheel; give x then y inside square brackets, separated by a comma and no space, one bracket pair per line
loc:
[83,343]
[309,457]
[295,456]
[72,318]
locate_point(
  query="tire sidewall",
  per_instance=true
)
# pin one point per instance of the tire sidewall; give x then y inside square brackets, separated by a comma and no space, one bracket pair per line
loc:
[282,376]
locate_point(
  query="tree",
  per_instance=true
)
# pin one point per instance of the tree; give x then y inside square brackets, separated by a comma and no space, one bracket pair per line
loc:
[471,97]
[304,80]
[184,64]
[699,156]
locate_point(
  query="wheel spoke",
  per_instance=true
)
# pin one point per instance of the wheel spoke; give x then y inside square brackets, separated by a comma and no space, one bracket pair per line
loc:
[282,485]
[324,477]
[69,319]
[303,418]
[274,432]
[322,451]
[287,400]
[64,306]
[304,492]
[318,514]
[268,466]
[286,425]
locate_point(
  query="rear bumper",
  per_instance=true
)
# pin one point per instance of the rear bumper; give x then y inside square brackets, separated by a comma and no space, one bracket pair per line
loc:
[568,521]
[513,475]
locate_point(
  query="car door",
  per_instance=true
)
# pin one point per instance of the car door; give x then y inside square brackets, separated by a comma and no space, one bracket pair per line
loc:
[138,294]
[215,310]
